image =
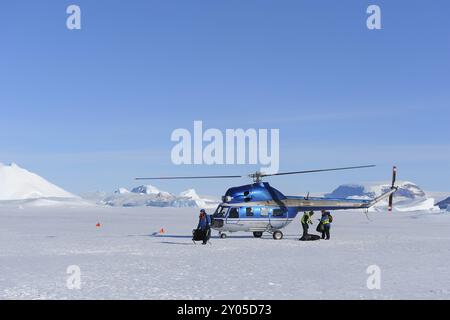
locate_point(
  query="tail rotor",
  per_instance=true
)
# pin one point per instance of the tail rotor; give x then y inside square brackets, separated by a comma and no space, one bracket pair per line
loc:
[391,197]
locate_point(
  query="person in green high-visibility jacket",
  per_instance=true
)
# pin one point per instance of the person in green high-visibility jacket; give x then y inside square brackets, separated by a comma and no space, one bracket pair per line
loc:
[306,221]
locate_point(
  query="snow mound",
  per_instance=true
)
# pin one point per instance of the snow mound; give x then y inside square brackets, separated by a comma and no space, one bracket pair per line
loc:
[409,196]
[17,183]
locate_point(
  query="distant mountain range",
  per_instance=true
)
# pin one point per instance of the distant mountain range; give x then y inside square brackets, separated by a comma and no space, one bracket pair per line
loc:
[148,195]
[409,196]
[21,187]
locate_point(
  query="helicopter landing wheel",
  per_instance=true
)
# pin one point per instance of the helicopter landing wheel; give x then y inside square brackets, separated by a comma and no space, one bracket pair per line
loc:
[222,235]
[277,235]
[257,234]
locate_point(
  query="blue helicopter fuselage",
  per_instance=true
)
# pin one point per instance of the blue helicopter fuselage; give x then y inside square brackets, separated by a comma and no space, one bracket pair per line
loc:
[247,208]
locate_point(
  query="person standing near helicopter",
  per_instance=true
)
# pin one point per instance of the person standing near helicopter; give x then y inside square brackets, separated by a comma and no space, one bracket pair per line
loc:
[325,222]
[204,224]
[306,221]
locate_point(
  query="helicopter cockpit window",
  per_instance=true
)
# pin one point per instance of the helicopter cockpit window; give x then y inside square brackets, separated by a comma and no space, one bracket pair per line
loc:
[234,213]
[220,212]
[249,212]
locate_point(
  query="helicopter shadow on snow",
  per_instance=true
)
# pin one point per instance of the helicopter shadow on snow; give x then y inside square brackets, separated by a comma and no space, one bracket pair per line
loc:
[184,236]
[214,238]
[167,238]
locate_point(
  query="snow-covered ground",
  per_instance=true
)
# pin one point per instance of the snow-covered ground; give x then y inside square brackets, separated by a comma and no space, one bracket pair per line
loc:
[123,259]
[115,241]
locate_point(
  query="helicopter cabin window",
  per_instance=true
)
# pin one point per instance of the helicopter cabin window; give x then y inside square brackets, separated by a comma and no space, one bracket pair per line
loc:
[264,212]
[220,212]
[247,196]
[278,212]
[249,212]
[234,213]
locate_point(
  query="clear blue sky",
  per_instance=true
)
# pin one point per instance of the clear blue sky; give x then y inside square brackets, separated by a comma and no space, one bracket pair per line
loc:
[91,109]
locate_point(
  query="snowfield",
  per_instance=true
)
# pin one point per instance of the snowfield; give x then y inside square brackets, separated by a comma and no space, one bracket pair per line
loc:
[126,258]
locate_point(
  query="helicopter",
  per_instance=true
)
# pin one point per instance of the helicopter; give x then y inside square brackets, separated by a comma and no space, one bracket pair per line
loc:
[259,207]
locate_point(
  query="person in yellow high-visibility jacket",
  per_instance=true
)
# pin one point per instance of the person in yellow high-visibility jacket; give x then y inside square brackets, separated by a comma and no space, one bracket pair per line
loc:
[326,220]
[306,221]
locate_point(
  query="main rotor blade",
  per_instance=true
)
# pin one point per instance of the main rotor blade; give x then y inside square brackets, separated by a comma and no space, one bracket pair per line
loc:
[318,170]
[259,174]
[191,177]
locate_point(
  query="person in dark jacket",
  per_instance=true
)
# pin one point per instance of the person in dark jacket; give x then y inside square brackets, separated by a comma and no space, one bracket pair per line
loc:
[306,221]
[325,221]
[204,224]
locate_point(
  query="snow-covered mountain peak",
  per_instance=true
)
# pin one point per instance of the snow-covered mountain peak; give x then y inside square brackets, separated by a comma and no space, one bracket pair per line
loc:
[122,191]
[444,204]
[17,183]
[146,189]
[190,193]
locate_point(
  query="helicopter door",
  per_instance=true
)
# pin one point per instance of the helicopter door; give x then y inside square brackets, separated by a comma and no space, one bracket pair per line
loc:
[233,215]
[278,217]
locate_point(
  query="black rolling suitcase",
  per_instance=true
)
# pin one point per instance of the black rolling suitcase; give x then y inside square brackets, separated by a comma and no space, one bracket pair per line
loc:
[197,235]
